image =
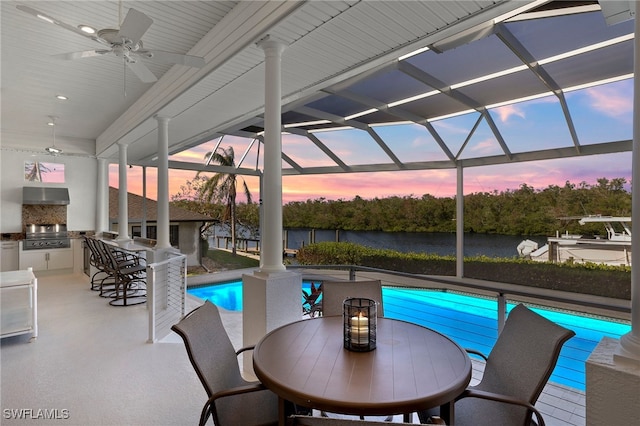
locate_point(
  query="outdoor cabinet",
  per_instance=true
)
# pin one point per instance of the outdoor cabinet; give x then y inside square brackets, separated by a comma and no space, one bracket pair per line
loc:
[19,303]
[46,259]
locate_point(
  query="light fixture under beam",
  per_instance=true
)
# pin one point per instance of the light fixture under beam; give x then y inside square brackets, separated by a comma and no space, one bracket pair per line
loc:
[53,149]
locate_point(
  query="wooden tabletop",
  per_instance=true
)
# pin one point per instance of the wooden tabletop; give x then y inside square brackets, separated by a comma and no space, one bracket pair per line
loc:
[411,368]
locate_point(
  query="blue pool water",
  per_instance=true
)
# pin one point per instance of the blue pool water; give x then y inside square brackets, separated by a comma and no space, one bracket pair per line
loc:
[468,320]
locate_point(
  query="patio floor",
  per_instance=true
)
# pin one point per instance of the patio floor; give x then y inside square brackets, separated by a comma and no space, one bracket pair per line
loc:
[92,365]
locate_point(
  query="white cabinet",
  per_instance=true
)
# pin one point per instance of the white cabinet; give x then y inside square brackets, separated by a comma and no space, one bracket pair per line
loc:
[46,259]
[19,303]
[9,256]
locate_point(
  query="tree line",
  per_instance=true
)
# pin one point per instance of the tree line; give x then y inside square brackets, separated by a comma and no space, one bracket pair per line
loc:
[522,211]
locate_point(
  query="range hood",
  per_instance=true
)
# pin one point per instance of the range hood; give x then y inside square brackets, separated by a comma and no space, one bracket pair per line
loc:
[41,195]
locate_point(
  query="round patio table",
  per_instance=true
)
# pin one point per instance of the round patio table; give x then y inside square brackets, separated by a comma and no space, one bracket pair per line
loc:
[412,368]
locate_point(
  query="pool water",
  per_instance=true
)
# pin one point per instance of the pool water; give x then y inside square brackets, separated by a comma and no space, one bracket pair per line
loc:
[470,321]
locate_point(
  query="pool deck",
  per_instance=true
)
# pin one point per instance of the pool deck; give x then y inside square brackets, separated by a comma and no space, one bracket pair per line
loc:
[93,360]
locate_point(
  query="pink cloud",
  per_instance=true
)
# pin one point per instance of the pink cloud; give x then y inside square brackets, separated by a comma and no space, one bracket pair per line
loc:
[508,111]
[611,100]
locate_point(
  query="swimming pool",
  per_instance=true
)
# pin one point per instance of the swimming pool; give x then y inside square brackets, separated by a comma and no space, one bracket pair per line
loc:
[471,321]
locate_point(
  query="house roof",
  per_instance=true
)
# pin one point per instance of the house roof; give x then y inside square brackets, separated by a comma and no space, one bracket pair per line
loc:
[135,207]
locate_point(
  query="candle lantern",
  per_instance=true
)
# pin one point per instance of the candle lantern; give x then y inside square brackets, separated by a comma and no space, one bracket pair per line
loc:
[359,317]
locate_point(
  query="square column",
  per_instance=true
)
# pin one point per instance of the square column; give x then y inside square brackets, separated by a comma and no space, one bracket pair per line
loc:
[613,387]
[269,301]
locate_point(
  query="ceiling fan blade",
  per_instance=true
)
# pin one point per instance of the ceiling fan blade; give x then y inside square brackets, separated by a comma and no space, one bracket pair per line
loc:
[134,26]
[55,21]
[172,58]
[141,71]
[83,54]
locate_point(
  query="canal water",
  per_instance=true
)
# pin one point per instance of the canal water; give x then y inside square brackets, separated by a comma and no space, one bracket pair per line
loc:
[416,242]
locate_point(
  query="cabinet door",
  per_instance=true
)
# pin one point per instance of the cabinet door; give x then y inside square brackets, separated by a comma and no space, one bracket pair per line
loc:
[35,259]
[9,260]
[60,258]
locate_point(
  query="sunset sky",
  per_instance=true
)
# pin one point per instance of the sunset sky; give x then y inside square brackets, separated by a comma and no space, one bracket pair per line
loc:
[601,113]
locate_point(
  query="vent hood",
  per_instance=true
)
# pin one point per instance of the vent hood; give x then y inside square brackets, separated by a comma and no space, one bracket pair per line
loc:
[41,195]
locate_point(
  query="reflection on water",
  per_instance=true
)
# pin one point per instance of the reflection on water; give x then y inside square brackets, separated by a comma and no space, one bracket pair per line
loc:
[417,242]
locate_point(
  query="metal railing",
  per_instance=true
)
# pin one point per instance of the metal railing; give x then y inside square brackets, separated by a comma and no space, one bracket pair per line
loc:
[166,294]
[500,290]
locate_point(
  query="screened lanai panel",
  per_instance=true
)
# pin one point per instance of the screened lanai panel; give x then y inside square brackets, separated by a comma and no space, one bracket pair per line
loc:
[482,57]
[304,152]
[608,105]
[411,143]
[433,106]
[354,147]
[509,87]
[389,86]
[378,117]
[295,117]
[589,67]
[482,143]
[455,130]
[336,105]
[551,36]
[533,125]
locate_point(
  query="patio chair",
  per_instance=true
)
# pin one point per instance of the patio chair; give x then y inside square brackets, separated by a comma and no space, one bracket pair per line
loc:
[516,371]
[101,277]
[129,275]
[231,399]
[335,292]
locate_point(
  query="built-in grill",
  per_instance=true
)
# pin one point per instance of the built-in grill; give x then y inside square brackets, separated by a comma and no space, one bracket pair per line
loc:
[38,237]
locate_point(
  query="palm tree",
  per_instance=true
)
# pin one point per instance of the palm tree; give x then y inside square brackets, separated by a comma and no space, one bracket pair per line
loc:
[222,187]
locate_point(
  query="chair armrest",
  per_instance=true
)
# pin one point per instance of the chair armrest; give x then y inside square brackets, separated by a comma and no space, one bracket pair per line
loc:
[474,352]
[473,393]
[209,407]
[246,348]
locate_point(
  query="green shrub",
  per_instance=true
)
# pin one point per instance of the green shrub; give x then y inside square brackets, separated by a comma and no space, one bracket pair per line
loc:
[599,280]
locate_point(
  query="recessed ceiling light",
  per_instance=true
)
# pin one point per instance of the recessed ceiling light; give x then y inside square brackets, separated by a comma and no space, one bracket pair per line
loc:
[62,97]
[87,29]
[46,18]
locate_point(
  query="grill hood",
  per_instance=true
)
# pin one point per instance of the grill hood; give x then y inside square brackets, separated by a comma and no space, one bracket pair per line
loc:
[40,195]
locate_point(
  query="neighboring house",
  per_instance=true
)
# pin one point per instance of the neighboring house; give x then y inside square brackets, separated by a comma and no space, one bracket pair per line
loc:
[184,225]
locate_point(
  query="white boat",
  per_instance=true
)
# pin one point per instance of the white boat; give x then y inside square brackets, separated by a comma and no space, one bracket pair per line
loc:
[612,249]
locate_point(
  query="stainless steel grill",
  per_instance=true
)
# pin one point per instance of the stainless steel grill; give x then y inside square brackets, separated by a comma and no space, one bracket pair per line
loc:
[38,237]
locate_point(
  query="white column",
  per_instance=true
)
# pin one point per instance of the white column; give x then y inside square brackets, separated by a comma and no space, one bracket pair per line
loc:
[143,223]
[272,198]
[123,206]
[163,182]
[102,197]
[460,223]
[630,342]
[270,297]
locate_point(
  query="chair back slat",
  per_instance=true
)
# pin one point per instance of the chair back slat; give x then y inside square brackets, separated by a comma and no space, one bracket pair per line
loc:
[335,292]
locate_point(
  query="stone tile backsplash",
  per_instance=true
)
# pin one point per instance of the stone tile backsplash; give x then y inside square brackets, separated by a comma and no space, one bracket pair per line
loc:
[43,215]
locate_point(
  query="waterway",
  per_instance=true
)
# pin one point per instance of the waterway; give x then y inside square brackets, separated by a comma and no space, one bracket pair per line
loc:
[416,242]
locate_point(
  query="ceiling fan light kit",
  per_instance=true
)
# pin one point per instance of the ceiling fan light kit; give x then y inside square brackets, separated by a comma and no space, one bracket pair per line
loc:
[123,43]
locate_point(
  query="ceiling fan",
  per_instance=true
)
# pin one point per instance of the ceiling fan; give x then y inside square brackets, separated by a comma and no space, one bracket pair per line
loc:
[124,43]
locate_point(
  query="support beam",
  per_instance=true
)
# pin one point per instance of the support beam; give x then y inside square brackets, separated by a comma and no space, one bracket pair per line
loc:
[123,205]
[163,240]
[102,197]
[272,198]
[460,222]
